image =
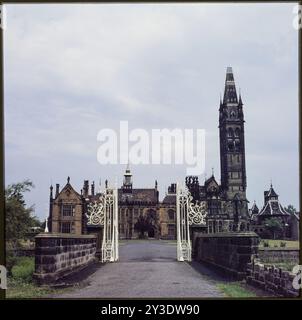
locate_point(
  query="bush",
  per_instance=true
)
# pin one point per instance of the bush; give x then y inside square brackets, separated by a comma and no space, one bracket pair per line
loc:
[266,244]
[23,269]
[11,260]
[282,244]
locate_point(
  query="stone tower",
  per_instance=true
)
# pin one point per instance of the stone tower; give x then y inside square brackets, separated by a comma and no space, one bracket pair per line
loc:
[232,149]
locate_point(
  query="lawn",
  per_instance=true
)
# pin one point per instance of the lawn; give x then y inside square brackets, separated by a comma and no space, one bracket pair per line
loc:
[20,280]
[18,289]
[277,243]
[236,290]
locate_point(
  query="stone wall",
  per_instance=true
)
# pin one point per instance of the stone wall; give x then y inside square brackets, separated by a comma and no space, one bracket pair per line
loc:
[273,255]
[271,279]
[228,252]
[58,255]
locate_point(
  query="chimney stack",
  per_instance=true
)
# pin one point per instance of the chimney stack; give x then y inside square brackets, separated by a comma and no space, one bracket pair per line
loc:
[57,189]
[86,188]
[92,188]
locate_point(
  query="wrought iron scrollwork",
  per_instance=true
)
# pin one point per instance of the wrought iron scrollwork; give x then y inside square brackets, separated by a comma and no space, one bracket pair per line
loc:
[105,213]
[197,213]
[188,214]
[96,212]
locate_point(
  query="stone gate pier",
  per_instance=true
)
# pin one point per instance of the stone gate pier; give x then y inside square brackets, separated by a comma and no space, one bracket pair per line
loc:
[58,255]
[227,252]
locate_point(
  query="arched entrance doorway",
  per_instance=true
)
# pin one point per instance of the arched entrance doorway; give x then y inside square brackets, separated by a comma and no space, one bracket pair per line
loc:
[151,233]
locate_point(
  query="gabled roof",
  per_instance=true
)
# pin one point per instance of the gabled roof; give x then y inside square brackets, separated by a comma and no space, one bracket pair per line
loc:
[271,192]
[68,188]
[211,183]
[211,179]
[297,216]
[273,208]
[254,210]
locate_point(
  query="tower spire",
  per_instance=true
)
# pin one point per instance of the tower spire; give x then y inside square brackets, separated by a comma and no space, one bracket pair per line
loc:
[230,95]
[232,146]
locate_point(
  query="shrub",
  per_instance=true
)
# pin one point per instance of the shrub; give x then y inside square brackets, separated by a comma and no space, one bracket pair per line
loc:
[266,244]
[11,260]
[282,244]
[23,269]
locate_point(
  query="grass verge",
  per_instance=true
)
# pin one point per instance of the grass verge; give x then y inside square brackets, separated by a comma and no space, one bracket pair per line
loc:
[19,289]
[277,243]
[235,290]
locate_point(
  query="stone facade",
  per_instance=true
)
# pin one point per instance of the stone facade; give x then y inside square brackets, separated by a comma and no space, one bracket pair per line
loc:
[66,210]
[58,255]
[167,214]
[229,253]
[271,279]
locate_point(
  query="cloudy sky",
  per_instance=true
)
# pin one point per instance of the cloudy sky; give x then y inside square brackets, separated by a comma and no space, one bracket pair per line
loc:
[71,70]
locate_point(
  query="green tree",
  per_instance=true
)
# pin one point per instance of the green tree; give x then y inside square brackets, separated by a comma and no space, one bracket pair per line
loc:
[274,225]
[291,209]
[19,218]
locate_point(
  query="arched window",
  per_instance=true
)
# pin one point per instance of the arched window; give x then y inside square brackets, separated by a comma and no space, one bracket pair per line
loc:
[231,145]
[237,132]
[230,133]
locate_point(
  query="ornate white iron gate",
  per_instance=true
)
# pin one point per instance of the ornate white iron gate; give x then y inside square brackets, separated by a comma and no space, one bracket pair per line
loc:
[187,214]
[105,213]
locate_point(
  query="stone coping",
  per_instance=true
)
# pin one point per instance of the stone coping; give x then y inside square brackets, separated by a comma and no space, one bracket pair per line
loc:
[65,236]
[227,235]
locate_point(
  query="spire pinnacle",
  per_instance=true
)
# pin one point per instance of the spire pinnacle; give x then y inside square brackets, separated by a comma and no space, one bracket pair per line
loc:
[230,95]
[51,194]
